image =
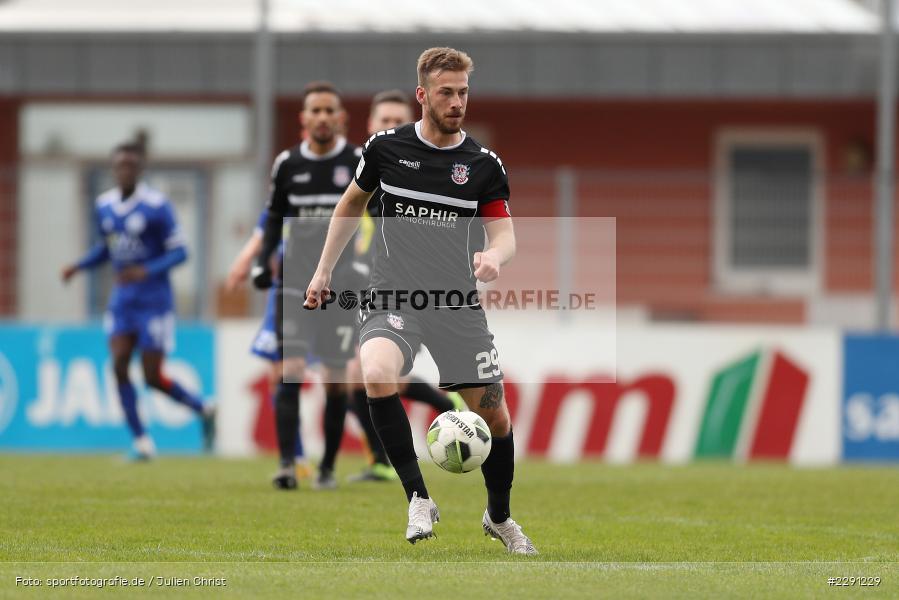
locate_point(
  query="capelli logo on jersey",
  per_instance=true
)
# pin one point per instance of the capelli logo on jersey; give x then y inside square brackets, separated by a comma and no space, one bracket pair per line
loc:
[410,163]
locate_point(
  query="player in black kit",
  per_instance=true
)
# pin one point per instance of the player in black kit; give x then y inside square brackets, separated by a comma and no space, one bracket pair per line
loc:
[443,198]
[389,109]
[307,182]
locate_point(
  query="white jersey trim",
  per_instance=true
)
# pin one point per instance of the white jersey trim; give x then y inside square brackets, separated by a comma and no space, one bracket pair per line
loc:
[313,199]
[285,154]
[143,194]
[310,155]
[434,146]
[176,240]
[426,197]
[372,330]
[383,231]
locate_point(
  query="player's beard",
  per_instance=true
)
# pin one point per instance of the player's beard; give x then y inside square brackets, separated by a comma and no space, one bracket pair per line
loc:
[323,137]
[443,126]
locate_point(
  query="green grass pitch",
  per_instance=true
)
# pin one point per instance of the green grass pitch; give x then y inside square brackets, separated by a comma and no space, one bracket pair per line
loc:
[642,531]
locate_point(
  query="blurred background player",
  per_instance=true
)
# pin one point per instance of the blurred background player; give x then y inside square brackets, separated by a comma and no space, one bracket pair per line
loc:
[307,181]
[265,344]
[389,109]
[138,232]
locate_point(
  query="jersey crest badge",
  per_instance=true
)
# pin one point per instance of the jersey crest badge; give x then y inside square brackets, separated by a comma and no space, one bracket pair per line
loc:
[341,176]
[460,173]
[395,321]
[135,224]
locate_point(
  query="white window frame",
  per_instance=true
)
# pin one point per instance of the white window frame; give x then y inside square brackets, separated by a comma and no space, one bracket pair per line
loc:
[768,281]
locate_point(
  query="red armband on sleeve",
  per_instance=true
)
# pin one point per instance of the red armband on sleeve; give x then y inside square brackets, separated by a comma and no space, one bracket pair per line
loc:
[495,209]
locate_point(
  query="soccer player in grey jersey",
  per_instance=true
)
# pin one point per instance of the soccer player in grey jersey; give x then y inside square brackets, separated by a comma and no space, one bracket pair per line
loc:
[307,181]
[440,192]
[389,110]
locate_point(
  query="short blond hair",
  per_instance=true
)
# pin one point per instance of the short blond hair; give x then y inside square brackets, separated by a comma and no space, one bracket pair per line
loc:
[442,59]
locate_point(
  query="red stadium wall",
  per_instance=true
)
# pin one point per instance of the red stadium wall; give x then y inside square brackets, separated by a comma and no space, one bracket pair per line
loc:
[651,165]
[9,142]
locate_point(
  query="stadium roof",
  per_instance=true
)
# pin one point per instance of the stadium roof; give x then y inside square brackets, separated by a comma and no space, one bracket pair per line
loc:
[415,16]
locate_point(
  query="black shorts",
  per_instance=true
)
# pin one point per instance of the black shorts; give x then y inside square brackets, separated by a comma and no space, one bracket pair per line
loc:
[328,333]
[458,339]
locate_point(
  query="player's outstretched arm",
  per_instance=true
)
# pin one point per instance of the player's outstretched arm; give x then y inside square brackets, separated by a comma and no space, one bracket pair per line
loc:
[500,249]
[95,257]
[154,266]
[343,225]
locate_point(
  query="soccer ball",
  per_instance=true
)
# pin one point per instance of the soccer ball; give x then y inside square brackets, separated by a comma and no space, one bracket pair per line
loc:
[459,441]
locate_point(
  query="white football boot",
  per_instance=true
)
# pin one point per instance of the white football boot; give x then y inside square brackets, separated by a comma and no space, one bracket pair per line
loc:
[510,534]
[144,449]
[423,514]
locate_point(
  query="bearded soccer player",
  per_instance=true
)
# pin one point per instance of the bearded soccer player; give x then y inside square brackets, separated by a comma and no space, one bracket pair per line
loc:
[389,109]
[307,182]
[445,226]
[140,236]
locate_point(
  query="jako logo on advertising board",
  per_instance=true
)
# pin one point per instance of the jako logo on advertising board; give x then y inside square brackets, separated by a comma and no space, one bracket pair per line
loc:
[58,392]
[871,397]
[753,407]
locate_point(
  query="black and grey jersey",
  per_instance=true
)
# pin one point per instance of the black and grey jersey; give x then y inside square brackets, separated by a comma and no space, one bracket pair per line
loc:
[307,187]
[430,200]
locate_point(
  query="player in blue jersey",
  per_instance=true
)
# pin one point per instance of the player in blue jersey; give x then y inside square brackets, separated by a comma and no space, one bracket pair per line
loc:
[140,236]
[265,344]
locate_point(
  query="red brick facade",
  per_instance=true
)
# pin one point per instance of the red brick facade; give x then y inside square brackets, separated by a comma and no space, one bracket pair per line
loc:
[650,164]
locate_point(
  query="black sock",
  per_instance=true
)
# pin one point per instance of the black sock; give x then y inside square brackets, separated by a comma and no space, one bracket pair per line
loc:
[392,425]
[498,471]
[287,419]
[360,409]
[335,415]
[420,391]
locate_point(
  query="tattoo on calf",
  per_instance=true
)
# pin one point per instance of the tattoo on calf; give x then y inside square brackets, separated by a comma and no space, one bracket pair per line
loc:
[493,396]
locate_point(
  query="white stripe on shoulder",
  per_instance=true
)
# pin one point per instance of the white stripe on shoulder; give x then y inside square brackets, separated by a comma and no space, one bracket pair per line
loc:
[108,196]
[278,160]
[495,157]
[150,196]
[378,134]
[428,197]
